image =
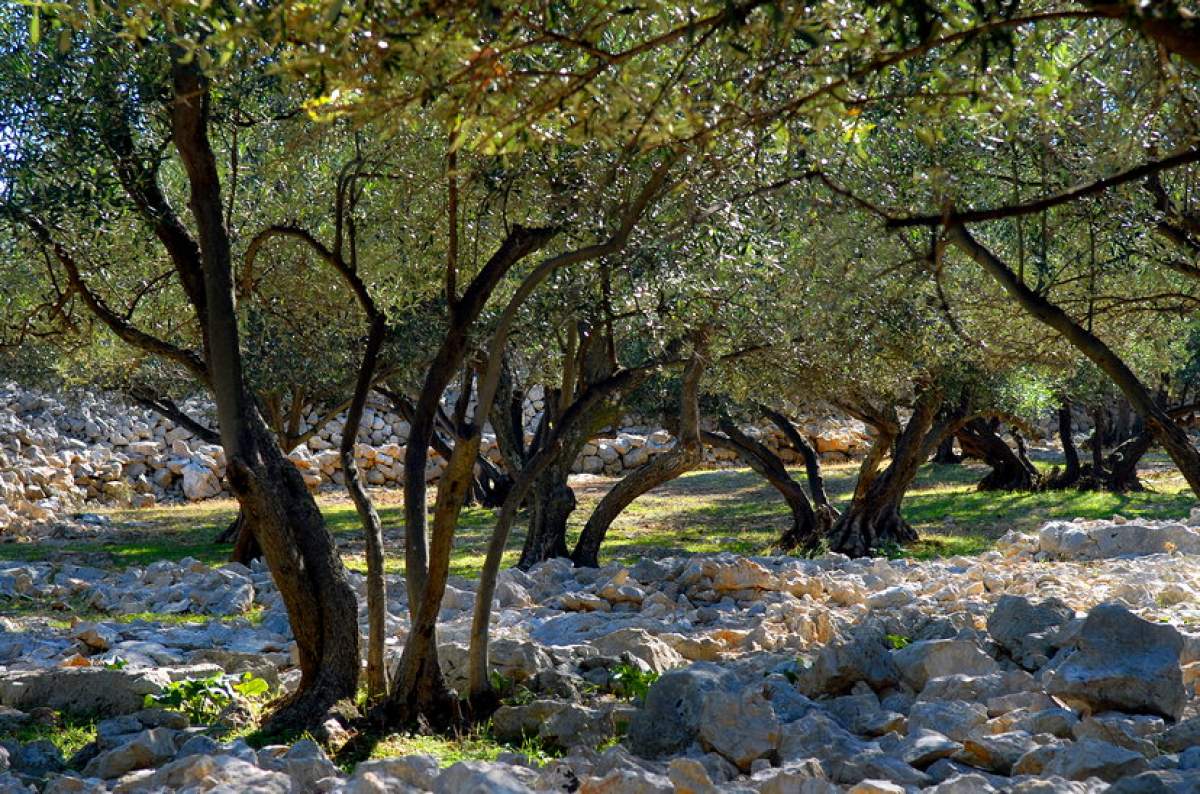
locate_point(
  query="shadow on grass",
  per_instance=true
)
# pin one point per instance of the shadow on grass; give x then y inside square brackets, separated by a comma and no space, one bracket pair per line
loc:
[700,512]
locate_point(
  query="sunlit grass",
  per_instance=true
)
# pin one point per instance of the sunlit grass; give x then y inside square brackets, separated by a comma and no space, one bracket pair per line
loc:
[69,734]
[701,512]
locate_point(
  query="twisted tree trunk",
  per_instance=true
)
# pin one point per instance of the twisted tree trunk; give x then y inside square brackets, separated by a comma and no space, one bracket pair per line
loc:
[685,456]
[979,439]
[1071,471]
[372,526]
[805,531]
[287,524]
[873,518]
[1173,438]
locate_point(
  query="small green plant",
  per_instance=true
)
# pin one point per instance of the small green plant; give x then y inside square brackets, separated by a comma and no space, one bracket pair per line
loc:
[897,641]
[203,699]
[632,681]
[117,663]
[534,749]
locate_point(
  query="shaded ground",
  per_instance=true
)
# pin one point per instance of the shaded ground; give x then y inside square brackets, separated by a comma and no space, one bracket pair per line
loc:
[705,511]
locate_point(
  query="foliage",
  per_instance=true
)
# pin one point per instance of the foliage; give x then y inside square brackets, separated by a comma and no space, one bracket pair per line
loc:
[204,699]
[632,681]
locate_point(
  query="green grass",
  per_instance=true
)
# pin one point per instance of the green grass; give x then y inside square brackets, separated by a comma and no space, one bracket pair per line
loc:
[701,512]
[69,734]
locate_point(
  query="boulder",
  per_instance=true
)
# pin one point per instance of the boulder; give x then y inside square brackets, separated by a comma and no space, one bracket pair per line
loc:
[479,777]
[1026,629]
[147,749]
[1158,782]
[741,726]
[671,717]
[863,656]
[920,661]
[1123,663]
[85,690]
[1091,758]
[418,772]
[213,772]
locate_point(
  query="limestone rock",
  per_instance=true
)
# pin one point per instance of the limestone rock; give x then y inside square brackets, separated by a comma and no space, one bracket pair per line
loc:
[1121,662]
[671,717]
[740,726]
[89,690]
[920,661]
[1026,629]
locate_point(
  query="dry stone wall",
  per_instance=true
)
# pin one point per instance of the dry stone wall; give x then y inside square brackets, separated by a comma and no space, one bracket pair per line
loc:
[59,455]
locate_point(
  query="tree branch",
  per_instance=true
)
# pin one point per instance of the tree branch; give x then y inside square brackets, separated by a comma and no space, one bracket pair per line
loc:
[1184,157]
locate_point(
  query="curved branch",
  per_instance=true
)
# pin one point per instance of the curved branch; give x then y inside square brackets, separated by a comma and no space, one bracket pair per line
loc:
[124,330]
[1184,157]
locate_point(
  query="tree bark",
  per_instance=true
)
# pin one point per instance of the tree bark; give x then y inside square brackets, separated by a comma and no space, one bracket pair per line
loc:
[372,526]
[945,455]
[812,463]
[685,456]
[979,439]
[1071,470]
[873,518]
[548,451]
[1166,432]
[805,531]
[299,549]
[1121,465]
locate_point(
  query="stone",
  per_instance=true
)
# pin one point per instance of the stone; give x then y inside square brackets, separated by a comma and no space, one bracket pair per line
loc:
[670,719]
[923,746]
[689,776]
[87,690]
[1025,629]
[956,719]
[920,661]
[222,773]
[963,784]
[641,644]
[95,636]
[1130,732]
[199,482]
[36,759]
[1092,758]
[864,656]
[1123,663]
[147,749]
[998,752]
[1158,782]
[1180,736]
[741,727]
[625,781]
[416,771]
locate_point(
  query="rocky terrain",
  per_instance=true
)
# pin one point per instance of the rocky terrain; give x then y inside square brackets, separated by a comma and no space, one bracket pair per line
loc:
[60,456]
[1067,660]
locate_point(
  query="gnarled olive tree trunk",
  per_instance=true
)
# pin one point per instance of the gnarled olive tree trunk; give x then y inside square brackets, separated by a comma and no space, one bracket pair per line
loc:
[287,524]
[1158,421]
[873,518]
[687,453]
[805,530]
[826,513]
[979,439]
[548,451]
[1069,476]
[368,515]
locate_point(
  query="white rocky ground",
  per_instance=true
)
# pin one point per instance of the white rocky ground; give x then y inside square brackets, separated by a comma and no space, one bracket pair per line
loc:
[59,455]
[1065,661]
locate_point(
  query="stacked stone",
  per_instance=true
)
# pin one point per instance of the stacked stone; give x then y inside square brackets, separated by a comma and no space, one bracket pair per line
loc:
[57,455]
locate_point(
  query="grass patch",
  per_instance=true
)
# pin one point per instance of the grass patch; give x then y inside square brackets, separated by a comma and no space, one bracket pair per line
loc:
[700,512]
[70,734]
[476,744]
